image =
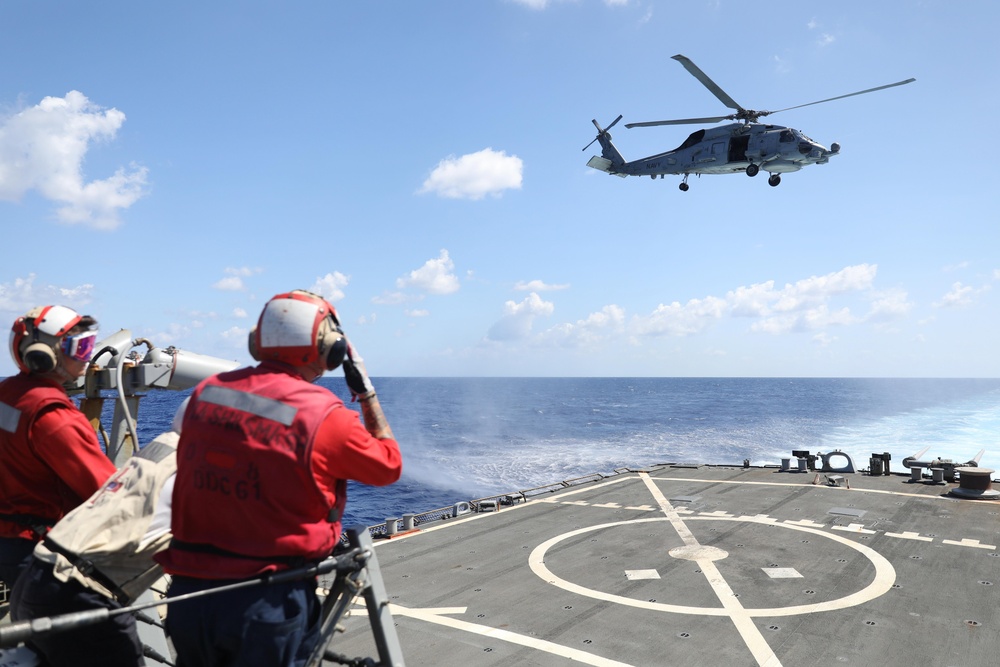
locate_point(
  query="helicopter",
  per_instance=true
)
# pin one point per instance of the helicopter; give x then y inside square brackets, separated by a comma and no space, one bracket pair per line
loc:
[745,145]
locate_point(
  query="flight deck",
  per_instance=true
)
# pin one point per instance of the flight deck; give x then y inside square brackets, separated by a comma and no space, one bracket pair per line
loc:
[699,565]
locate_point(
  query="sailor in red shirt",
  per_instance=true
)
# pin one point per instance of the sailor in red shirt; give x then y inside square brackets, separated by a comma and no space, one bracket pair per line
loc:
[50,459]
[262,469]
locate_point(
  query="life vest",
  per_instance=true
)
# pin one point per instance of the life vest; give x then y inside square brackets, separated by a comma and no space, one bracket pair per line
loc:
[32,497]
[245,500]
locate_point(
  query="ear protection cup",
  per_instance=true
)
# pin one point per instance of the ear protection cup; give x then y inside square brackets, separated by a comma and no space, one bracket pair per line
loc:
[252,344]
[39,358]
[332,344]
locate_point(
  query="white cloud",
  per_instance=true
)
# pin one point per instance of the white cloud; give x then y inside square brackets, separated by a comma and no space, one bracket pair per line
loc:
[233,282]
[543,4]
[825,38]
[419,312]
[434,277]
[475,175]
[329,286]
[532,4]
[390,298]
[518,318]
[538,286]
[21,295]
[239,312]
[823,339]
[43,149]
[229,284]
[677,320]
[802,306]
[889,305]
[236,333]
[752,301]
[597,328]
[958,295]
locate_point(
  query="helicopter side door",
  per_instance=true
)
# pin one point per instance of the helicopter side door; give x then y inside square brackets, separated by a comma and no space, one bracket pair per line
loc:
[738,148]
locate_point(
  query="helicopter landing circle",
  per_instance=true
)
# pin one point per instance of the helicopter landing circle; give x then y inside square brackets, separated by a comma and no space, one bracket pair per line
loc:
[885,574]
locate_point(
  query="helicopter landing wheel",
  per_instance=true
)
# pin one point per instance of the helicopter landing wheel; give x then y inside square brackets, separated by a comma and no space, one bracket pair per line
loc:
[684,187]
[773,180]
[752,169]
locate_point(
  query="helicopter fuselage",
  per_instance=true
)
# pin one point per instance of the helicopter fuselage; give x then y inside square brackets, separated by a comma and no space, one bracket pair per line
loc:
[746,146]
[722,150]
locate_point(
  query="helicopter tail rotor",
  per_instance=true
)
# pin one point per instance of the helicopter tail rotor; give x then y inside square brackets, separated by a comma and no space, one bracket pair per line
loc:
[602,131]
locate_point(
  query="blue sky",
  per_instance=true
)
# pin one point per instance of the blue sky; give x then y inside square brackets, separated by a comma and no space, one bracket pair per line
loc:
[168,167]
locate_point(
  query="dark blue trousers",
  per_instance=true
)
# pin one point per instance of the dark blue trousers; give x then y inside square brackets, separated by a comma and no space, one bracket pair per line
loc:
[257,626]
[113,642]
[15,555]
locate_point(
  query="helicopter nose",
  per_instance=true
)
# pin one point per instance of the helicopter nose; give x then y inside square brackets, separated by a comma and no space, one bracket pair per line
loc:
[811,149]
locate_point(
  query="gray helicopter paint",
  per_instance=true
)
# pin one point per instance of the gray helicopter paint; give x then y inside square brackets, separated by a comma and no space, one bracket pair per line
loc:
[746,146]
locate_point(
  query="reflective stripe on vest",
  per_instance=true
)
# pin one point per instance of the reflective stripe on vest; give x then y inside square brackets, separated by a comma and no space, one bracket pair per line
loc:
[9,417]
[266,408]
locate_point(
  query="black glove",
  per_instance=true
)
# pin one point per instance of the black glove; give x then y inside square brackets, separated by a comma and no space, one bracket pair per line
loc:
[356,376]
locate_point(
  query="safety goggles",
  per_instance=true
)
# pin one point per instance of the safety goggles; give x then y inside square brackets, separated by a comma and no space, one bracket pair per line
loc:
[80,346]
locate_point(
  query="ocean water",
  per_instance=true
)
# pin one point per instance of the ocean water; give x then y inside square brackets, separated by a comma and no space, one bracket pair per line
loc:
[468,438]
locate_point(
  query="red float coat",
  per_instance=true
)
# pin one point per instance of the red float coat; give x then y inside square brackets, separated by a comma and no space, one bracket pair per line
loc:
[50,459]
[260,475]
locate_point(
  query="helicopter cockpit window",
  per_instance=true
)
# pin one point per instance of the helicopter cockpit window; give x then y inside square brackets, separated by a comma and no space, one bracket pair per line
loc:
[692,140]
[787,137]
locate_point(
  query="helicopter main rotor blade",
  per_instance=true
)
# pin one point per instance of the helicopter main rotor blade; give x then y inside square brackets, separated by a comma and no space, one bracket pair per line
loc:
[707,82]
[840,97]
[682,121]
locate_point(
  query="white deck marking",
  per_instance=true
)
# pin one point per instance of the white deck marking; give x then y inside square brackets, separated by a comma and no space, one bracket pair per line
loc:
[840,489]
[438,616]
[782,572]
[909,535]
[966,542]
[854,528]
[751,635]
[636,575]
[885,574]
